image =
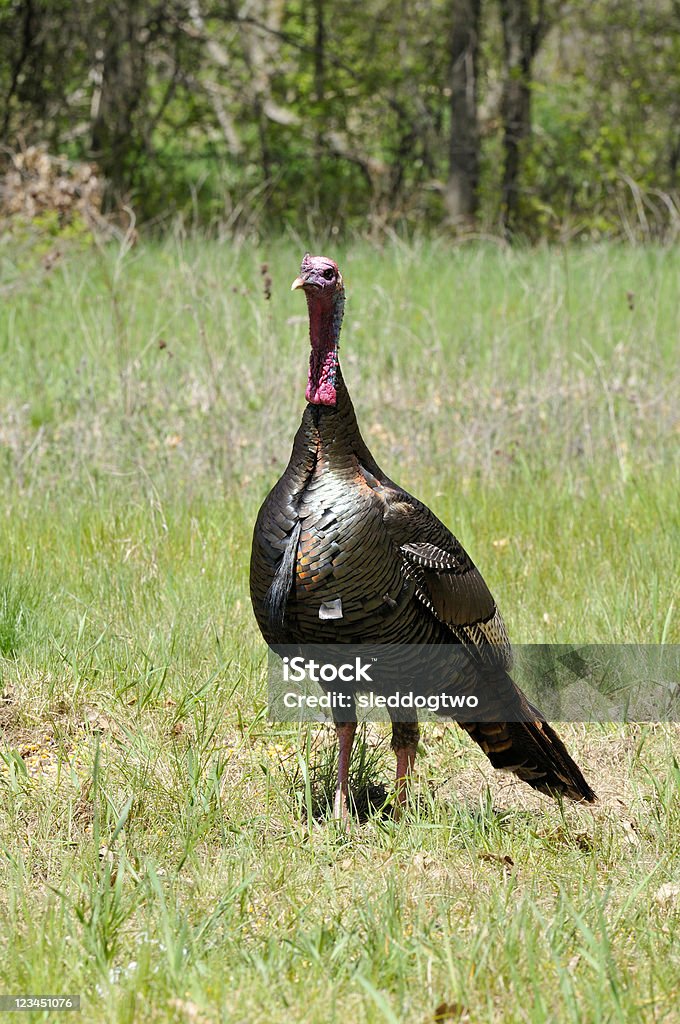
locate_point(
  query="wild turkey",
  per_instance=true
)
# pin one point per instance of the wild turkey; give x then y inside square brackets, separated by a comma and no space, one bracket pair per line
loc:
[336,532]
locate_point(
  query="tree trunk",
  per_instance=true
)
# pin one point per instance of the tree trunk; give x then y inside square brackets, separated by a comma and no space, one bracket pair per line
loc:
[461,189]
[114,140]
[319,73]
[319,51]
[26,13]
[522,36]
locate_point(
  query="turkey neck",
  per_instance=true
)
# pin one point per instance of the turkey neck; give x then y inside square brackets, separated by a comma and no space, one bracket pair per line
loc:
[325,322]
[329,439]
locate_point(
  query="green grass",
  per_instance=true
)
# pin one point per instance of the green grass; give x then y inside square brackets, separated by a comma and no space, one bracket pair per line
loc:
[160,851]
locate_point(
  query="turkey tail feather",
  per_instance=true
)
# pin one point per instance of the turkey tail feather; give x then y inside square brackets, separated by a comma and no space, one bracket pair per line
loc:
[533,752]
[276,598]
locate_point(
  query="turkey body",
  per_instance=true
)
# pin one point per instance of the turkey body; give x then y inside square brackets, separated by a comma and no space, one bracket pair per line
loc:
[332,503]
[341,554]
[351,535]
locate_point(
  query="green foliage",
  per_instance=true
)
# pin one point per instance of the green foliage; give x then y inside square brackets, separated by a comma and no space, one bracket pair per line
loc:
[296,113]
[604,155]
[32,246]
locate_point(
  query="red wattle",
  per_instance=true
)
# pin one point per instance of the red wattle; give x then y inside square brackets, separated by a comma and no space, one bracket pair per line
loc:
[321,382]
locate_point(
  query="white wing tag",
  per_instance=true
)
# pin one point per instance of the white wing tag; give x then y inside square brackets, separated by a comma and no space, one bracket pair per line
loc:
[331,609]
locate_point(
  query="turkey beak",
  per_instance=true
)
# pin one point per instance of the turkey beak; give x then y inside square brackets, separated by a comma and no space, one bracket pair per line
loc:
[297,283]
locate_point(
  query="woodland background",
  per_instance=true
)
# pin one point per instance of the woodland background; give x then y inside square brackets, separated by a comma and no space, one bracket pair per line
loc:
[527,118]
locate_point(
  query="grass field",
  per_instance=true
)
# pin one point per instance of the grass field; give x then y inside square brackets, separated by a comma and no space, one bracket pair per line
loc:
[158,851]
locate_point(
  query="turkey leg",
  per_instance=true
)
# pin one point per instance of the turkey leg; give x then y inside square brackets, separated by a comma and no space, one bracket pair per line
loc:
[405,737]
[345,731]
